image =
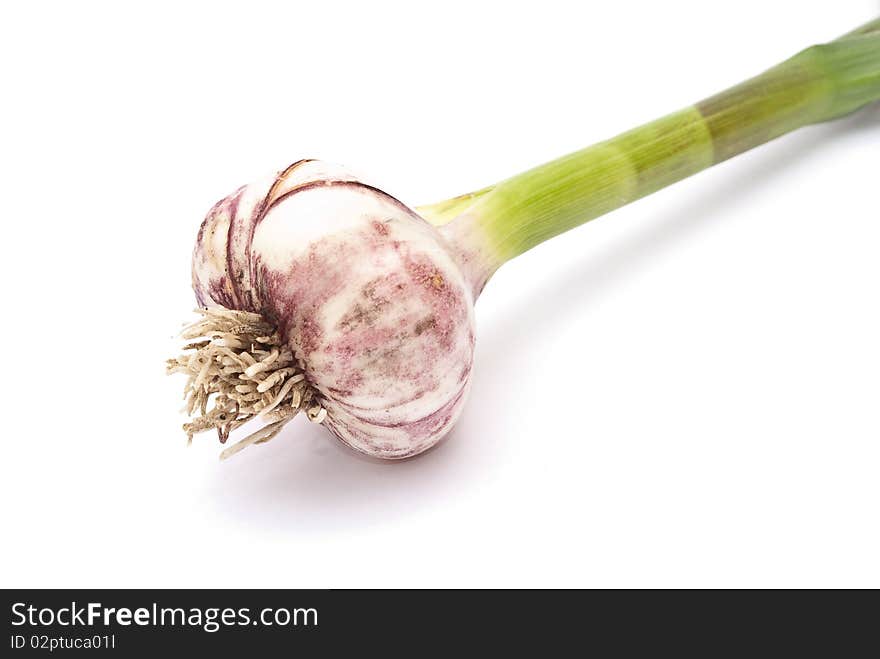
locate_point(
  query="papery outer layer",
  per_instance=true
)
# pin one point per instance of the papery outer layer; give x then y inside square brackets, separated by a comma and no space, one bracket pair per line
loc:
[372,299]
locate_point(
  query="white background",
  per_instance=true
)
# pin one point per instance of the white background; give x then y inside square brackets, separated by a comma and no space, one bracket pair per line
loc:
[684,393]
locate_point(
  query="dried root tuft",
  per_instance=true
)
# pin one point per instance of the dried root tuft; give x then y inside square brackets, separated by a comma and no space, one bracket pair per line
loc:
[239,368]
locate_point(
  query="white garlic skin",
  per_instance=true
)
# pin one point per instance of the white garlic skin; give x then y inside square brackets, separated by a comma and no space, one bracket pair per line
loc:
[370,297]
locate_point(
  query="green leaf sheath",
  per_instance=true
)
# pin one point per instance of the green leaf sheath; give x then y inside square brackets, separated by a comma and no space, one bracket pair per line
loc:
[818,84]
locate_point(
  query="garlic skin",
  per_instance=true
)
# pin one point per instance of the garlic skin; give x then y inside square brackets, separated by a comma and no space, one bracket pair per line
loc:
[371,299]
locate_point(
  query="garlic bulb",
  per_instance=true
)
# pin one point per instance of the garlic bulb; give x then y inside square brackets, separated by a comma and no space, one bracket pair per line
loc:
[369,300]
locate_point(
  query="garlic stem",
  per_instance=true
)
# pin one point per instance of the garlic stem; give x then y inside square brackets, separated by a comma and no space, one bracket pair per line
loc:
[821,83]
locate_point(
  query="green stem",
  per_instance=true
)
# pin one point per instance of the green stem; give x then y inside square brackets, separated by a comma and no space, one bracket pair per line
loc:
[820,83]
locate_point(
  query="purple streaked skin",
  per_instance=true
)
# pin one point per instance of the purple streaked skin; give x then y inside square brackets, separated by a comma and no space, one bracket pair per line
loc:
[376,304]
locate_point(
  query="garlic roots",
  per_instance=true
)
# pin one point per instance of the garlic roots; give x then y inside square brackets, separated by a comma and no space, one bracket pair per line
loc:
[239,369]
